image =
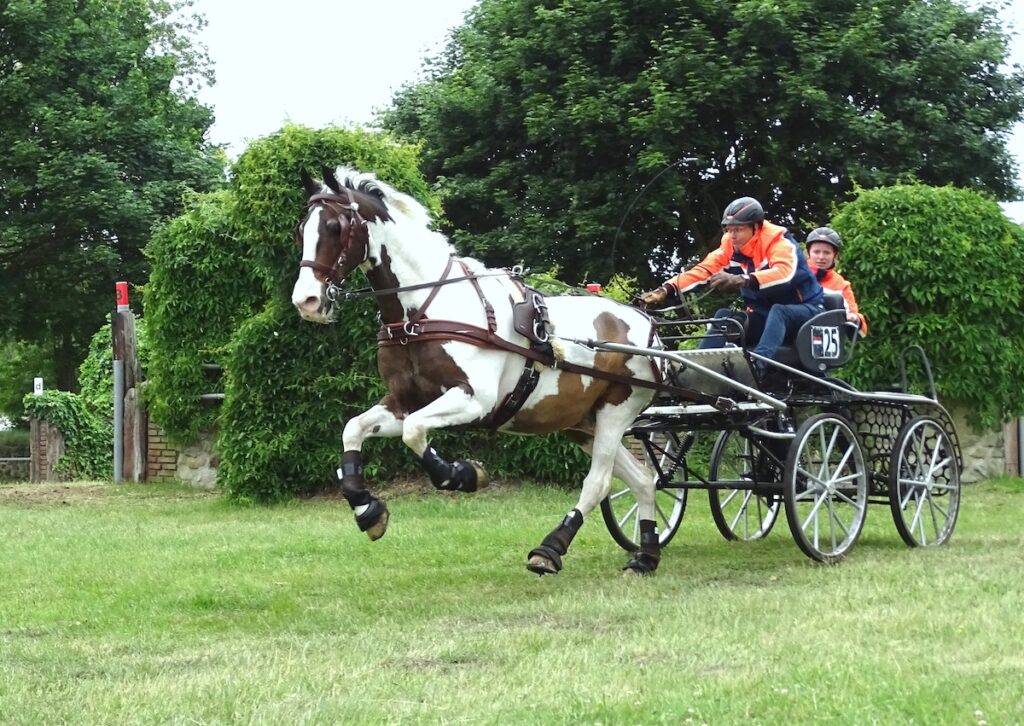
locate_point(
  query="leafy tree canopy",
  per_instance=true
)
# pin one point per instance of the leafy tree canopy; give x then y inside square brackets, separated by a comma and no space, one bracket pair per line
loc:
[101,135]
[543,118]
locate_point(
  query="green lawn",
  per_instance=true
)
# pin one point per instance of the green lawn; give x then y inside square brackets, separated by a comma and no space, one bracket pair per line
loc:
[156,603]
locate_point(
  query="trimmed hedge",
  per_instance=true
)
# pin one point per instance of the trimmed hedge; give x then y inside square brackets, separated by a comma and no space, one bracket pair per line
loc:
[201,288]
[938,266]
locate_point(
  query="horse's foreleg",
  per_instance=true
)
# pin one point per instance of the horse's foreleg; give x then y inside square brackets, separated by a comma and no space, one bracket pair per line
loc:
[453,408]
[371,513]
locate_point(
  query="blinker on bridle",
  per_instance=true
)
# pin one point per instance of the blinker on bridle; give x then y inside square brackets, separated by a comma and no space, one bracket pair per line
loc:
[349,227]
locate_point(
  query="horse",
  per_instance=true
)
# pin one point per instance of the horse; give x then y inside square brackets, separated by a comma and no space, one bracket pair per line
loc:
[461,365]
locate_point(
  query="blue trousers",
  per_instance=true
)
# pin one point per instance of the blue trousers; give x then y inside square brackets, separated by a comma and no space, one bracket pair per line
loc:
[770,329]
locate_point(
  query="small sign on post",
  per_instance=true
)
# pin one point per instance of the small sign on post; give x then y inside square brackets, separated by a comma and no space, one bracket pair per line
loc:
[37,386]
[121,296]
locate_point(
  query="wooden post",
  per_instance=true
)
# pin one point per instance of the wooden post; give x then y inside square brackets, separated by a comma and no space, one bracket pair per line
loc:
[130,418]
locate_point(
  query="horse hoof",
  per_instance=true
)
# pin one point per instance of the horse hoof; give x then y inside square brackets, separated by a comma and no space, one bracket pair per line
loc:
[481,475]
[541,565]
[378,528]
[631,571]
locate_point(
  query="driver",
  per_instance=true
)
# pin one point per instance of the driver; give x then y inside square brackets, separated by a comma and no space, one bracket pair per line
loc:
[823,246]
[772,275]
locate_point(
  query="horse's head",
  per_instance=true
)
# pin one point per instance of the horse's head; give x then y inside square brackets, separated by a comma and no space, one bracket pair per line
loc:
[334,235]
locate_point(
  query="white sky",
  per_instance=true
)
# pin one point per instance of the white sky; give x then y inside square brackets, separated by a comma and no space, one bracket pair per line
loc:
[336,61]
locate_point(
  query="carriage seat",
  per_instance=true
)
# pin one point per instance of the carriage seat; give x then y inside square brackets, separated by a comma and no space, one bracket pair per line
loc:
[824,342]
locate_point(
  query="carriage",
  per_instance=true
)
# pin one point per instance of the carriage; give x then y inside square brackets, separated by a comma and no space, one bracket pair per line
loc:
[789,435]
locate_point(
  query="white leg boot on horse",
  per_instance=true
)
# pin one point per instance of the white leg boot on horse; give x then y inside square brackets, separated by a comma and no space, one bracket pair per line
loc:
[453,408]
[371,513]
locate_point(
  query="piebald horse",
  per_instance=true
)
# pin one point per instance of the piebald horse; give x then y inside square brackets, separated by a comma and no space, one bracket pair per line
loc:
[440,380]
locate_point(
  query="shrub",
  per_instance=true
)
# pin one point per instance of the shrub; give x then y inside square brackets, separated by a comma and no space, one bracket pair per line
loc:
[939,266]
[88,436]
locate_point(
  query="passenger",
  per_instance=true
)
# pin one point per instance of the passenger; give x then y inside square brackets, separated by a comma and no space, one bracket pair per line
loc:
[823,247]
[772,275]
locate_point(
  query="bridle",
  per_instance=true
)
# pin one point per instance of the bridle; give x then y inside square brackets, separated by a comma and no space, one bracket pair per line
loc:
[350,226]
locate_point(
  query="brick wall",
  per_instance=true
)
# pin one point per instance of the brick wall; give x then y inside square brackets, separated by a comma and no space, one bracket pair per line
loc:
[161,457]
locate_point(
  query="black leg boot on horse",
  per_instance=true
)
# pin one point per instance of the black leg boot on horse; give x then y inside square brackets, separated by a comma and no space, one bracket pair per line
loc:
[460,476]
[645,560]
[371,513]
[547,559]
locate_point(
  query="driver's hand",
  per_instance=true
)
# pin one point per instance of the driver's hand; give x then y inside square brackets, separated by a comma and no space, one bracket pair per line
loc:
[853,318]
[654,297]
[725,281]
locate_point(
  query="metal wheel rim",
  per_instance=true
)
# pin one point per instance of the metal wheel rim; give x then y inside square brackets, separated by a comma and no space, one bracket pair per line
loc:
[669,506]
[926,485]
[827,490]
[746,515]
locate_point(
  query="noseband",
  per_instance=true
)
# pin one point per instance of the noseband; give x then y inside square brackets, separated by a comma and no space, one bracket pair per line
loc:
[350,227]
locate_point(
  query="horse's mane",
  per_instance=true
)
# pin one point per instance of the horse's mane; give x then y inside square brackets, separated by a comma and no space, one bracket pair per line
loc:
[395,200]
[398,204]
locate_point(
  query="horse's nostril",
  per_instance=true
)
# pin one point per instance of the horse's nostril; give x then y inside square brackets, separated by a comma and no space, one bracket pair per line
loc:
[310,303]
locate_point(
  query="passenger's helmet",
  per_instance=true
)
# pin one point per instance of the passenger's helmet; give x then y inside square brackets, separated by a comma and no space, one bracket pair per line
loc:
[825,234]
[745,210]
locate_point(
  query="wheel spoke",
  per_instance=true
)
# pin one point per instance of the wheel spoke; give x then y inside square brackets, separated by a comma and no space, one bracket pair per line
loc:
[848,477]
[663,517]
[831,525]
[846,499]
[906,500]
[743,508]
[810,476]
[917,514]
[842,526]
[626,515]
[615,496]
[824,472]
[814,510]
[931,510]
[729,498]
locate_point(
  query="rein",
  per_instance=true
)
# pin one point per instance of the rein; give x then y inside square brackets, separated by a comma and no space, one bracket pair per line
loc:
[515,273]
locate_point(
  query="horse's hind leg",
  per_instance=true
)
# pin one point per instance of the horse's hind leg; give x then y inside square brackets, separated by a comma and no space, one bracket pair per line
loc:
[547,558]
[640,481]
[371,513]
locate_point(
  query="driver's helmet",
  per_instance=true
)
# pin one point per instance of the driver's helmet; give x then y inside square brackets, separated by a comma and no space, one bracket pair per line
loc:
[827,235]
[745,210]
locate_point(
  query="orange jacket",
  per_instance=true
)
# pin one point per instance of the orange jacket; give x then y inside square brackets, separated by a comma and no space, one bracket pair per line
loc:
[833,282]
[775,263]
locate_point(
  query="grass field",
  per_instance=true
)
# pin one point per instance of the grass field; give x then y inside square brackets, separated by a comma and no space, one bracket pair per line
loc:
[157,603]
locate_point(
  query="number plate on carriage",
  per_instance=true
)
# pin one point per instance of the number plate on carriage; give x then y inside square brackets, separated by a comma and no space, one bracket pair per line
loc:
[825,342]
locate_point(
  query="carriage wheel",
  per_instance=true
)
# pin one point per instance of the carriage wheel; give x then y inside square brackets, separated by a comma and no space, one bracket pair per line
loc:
[924,483]
[740,514]
[826,487]
[621,511]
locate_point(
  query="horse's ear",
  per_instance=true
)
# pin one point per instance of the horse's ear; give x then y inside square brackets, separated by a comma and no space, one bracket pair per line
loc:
[331,181]
[308,183]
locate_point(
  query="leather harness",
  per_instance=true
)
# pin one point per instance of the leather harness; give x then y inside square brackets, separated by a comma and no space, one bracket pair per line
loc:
[421,329]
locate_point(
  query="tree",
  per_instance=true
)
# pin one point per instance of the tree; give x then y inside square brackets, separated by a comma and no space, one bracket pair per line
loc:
[939,267]
[101,135]
[543,118]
